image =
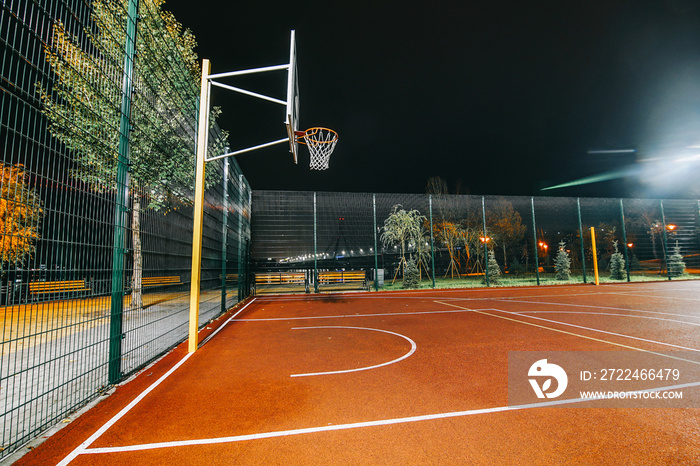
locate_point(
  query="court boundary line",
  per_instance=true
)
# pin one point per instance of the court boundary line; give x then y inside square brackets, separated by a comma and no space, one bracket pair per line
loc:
[465,310]
[345,316]
[357,425]
[395,294]
[520,300]
[630,293]
[584,336]
[206,340]
[526,313]
[346,371]
[83,447]
[601,331]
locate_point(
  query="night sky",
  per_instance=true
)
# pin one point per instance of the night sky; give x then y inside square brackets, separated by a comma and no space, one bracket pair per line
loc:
[494,97]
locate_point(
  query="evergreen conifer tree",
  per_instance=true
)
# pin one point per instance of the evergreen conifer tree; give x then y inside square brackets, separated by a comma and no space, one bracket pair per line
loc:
[634,262]
[494,269]
[411,276]
[562,263]
[617,264]
[514,266]
[676,265]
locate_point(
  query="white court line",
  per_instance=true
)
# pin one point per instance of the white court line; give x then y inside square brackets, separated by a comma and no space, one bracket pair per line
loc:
[224,324]
[413,350]
[600,331]
[83,446]
[657,297]
[606,314]
[666,355]
[415,296]
[344,316]
[359,425]
[516,300]
[397,294]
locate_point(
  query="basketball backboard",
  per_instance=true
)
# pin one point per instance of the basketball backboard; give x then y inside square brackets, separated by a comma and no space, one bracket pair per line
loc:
[292,121]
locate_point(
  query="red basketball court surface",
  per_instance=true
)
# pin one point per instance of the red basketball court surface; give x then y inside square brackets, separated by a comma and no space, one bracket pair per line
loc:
[395,378]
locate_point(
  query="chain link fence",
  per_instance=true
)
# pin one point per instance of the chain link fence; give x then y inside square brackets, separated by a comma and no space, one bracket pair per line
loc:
[531,241]
[97,132]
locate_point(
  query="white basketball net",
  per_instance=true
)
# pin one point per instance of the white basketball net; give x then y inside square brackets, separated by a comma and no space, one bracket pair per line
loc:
[321,142]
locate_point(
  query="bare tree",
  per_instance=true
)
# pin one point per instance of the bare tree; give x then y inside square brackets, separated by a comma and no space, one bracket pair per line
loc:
[506,226]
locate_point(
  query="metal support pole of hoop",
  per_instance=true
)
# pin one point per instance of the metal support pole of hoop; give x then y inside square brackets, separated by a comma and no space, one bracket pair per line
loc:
[321,142]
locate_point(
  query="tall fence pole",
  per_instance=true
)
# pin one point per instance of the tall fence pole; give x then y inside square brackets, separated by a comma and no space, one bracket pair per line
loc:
[248,242]
[663,220]
[486,251]
[534,235]
[121,201]
[580,230]
[432,246]
[241,269]
[624,238]
[376,259]
[315,250]
[224,242]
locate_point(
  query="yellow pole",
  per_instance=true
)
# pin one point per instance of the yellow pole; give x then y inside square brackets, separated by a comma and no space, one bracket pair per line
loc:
[202,134]
[595,256]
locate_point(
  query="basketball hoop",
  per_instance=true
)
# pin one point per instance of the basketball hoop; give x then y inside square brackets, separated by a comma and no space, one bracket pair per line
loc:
[321,142]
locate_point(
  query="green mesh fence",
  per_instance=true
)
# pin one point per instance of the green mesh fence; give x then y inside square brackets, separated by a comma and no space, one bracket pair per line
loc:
[97,132]
[533,241]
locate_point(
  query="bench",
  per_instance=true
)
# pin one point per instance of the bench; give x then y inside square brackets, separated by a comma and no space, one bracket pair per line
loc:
[348,279]
[282,281]
[59,286]
[160,281]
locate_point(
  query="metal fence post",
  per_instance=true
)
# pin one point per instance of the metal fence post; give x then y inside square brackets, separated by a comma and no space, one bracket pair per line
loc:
[580,229]
[663,220]
[120,207]
[224,242]
[624,238]
[534,235]
[486,250]
[248,242]
[315,250]
[376,261]
[432,248]
[241,270]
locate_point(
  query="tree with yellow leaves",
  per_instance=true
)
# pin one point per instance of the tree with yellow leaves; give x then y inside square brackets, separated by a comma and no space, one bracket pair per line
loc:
[21,212]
